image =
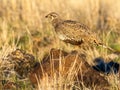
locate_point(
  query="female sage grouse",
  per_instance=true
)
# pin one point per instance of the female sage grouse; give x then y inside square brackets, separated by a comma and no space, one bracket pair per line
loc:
[73,32]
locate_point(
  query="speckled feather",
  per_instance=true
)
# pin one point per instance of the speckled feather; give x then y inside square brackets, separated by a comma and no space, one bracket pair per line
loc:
[72,32]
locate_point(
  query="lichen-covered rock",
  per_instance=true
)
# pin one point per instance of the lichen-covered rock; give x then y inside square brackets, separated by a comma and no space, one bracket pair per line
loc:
[20,62]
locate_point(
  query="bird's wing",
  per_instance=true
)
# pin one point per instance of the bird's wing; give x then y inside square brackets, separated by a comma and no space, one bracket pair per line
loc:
[73,30]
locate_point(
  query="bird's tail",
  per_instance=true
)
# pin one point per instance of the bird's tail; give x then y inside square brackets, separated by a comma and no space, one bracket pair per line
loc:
[105,46]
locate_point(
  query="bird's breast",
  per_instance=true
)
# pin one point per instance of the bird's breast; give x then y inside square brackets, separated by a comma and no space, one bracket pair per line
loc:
[69,40]
[62,37]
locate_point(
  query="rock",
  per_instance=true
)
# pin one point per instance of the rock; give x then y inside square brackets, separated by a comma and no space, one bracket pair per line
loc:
[106,67]
[73,65]
[21,61]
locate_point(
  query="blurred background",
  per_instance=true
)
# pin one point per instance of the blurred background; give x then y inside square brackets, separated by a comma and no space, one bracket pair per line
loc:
[23,24]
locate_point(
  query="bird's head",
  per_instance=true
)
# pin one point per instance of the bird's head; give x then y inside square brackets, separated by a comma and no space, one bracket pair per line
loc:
[51,16]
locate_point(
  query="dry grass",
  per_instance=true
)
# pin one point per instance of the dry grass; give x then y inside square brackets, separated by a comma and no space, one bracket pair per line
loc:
[22,25]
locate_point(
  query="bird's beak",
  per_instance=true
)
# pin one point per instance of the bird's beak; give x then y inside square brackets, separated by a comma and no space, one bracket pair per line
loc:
[46,16]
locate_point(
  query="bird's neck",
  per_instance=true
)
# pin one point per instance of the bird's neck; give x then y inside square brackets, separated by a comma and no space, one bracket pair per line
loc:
[56,21]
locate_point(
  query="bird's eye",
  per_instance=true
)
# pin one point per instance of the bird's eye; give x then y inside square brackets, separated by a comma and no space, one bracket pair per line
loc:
[54,16]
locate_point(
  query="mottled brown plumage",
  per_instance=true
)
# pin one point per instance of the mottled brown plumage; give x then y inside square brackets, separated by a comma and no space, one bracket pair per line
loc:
[70,31]
[73,32]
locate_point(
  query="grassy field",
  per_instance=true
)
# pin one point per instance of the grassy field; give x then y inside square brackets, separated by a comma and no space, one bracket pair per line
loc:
[23,25]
